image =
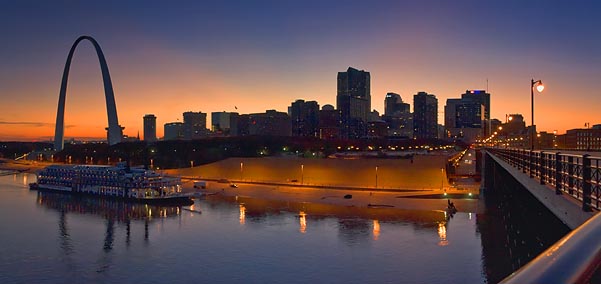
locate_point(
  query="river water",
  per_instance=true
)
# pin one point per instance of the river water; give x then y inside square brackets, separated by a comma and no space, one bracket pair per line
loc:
[57,238]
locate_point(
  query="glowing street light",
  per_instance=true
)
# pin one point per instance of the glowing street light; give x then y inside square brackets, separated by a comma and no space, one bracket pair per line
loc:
[376,177]
[442,179]
[539,87]
[241,170]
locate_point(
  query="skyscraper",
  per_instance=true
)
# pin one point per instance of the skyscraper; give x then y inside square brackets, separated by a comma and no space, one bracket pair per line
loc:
[480,96]
[150,128]
[393,104]
[450,113]
[173,131]
[329,122]
[223,123]
[425,115]
[195,125]
[304,116]
[353,101]
[269,123]
[398,117]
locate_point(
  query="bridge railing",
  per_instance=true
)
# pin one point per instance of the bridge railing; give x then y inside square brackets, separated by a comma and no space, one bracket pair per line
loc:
[576,175]
[573,259]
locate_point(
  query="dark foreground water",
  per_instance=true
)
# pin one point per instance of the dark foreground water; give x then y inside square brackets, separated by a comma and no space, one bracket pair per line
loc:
[56,238]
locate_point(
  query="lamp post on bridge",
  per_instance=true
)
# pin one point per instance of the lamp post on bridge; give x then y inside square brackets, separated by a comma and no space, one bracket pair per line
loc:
[539,87]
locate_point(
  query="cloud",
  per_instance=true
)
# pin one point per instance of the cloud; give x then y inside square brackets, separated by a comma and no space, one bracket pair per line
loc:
[26,123]
[30,123]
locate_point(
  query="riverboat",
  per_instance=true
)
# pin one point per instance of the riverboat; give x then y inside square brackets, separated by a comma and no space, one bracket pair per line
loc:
[118,181]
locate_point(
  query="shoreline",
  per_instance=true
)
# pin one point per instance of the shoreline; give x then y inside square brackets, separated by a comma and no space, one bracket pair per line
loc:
[425,200]
[429,199]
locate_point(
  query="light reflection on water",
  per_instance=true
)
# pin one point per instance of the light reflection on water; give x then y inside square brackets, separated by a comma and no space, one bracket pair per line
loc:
[376,230]
[54,237]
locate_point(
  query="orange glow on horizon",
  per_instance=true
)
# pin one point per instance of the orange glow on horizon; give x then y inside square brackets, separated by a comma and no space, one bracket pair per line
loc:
[171,84]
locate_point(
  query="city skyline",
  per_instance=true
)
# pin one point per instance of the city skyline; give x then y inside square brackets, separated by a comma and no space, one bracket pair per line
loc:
[166,60]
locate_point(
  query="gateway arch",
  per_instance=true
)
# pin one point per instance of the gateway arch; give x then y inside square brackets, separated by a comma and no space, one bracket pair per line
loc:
[115,131]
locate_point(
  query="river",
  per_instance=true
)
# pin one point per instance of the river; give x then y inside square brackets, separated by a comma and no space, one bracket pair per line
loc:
[54,238]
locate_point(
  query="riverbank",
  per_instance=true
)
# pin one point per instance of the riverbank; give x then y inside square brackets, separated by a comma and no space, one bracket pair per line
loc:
[425,200]
[22,166]
[418,184]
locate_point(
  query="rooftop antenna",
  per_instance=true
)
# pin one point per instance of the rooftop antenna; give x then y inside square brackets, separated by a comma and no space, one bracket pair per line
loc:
[487,85]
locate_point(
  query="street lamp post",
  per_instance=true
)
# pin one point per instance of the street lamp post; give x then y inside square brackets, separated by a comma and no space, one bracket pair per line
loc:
[302,174]
[376,177]
[441,178]
[539,87]
[241,170]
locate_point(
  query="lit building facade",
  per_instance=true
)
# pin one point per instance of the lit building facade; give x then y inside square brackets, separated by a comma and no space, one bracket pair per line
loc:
[584,139]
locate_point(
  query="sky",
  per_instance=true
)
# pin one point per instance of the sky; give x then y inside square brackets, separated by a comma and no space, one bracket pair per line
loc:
[168,57]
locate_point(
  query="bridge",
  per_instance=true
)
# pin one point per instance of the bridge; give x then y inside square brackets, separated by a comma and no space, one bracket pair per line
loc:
[569,185]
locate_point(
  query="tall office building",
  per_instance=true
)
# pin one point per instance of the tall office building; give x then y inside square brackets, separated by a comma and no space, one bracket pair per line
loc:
[450,114]
[480,96]
[329,122]
[173,131]
[195,125]
[353,101]
[150,128]
[398,117]
[223,123]
[425,115]
[393,105]
[269,123]
[304,116]
[464,119]
[470,114]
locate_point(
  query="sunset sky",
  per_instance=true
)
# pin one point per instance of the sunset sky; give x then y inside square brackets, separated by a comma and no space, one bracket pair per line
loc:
[169,57]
